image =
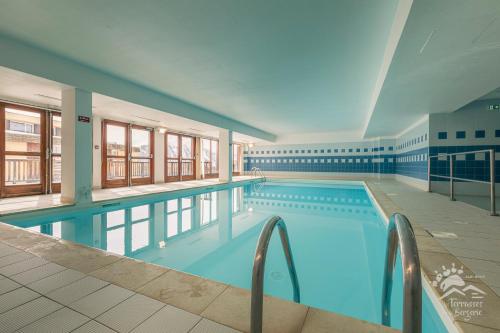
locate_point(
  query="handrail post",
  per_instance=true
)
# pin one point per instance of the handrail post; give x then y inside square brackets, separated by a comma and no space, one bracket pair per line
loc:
[400,234]
[492,183]
[257,297]
[452,194]
[429,173]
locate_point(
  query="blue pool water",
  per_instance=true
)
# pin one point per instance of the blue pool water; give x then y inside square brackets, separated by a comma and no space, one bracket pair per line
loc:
[337,236]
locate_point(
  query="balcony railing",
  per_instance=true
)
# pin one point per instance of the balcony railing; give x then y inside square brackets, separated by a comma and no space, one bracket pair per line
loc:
[139,169]
[21,171]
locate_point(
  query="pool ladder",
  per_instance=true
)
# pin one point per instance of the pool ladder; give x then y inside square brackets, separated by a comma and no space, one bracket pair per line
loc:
[400,235]
[257,172]
[259,266]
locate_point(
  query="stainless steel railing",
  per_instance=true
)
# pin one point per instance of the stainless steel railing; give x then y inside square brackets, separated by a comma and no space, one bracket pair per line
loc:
[451,177]
[257,171]
[259,266]
[400,235]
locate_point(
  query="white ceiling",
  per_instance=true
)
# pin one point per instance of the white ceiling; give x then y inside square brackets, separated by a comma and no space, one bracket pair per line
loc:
[448,56]
[24,88]
[285,67]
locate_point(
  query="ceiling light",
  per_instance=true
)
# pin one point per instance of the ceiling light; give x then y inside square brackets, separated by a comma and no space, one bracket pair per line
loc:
[162,130]
[49,97]
[250,145]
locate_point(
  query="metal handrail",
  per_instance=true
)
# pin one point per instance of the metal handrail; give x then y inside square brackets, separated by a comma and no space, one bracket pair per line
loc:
[491,182]
[400,234]
[259,266]
[256,170]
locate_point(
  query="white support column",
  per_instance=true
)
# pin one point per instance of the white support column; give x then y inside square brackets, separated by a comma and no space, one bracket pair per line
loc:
[76,160]
[225,155]
[197,156]
[159,157]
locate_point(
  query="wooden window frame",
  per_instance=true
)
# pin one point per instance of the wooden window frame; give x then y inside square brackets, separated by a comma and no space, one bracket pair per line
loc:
[31,189]
[210,175]
[128,180]
[179,158]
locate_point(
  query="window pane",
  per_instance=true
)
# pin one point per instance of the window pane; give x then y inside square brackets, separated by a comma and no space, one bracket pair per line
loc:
[56,169]
[172,146]
[187,202]
[172,224]
[115,218]
[116,240]
[140,235]
[56,229]
[22,131]
[116,168]
[205,150]
[187,147]
[140,143]
[56,134]
[115,140]
[186,219]
[172,205]
[214,157]
[140,212]
[140,168]
[22,170]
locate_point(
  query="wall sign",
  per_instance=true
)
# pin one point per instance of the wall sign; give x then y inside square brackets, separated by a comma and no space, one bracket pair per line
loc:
[84,119]
[494,107]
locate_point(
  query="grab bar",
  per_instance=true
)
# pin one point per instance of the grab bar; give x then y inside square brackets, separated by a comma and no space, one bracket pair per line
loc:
[400,234]
[256,170]
[259,266]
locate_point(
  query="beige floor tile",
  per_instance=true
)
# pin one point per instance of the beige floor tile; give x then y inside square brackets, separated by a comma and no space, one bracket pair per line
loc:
[129,273]
[318,321]
[185,291]
[232,308]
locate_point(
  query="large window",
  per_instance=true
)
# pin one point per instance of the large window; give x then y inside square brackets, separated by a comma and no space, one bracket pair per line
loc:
[180,157]
[179,216]
[31,155]
[209,158]
[127,154]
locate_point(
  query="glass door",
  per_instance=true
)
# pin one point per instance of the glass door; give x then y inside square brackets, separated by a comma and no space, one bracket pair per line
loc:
[187,158]
[23,147]
[141,155]
[209,158]
[54,159]
[172,173]
[180,157]
[127,154]
[115,154]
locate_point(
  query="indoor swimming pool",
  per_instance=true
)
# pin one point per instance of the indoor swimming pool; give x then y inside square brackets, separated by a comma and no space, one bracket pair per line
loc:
[337,237]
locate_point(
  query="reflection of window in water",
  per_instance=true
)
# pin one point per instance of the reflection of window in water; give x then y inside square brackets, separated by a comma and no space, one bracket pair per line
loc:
[136,221]
[237,199]
[179,215]
[140,227]
[187,213]
[208,207]
[52,229]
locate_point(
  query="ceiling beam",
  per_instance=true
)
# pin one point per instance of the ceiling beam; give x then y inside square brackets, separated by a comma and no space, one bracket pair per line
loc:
[26,58]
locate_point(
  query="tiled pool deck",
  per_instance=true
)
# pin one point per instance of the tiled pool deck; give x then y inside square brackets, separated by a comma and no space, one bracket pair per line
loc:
[47,283]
